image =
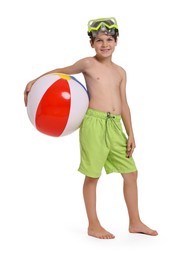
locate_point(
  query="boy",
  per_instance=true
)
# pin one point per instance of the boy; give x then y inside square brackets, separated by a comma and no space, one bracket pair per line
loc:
[102,141]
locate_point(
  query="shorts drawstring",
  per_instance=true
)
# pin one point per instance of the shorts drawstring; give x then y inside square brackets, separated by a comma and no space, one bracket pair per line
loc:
[112,118]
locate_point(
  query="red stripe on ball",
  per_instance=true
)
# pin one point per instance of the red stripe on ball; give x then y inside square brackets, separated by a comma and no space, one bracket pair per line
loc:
[54,108]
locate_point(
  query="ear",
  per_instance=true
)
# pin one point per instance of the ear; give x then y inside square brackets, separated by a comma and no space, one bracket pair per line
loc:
[91,43]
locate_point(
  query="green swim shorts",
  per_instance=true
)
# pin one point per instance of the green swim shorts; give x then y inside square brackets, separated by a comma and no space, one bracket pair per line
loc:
[103,144]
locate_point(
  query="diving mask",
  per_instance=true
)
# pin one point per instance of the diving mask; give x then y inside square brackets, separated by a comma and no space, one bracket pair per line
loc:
[105,25]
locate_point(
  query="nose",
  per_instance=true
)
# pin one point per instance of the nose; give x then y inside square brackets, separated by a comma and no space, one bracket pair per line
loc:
[104,43]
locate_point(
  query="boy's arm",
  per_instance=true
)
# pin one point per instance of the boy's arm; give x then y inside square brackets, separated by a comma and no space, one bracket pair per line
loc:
[126,117]
[76,68]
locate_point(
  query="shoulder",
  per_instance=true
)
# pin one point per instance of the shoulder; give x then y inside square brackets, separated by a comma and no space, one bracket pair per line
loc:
[121,71]
[85,63]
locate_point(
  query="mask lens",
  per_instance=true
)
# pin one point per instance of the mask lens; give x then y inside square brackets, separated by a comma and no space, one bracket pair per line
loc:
[104,25]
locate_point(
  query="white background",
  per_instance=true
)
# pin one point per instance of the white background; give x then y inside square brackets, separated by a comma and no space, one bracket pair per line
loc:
[42,214]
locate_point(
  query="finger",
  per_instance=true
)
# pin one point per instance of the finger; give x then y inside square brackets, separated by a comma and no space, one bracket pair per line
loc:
[130,152]
[26,97]
[129,148]
[26,92]
[25,100]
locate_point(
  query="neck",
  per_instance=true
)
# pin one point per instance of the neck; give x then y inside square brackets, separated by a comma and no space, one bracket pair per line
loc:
[106,60]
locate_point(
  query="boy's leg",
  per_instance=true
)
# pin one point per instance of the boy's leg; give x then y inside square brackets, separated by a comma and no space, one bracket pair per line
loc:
[89,191]
[131,199]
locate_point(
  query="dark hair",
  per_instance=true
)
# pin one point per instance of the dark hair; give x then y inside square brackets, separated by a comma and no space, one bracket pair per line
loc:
[115,36]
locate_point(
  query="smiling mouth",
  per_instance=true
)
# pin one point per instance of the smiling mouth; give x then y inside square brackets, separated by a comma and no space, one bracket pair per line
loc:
[105,50]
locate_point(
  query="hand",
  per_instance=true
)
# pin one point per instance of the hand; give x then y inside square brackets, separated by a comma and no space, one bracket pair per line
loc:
[27,90]
[130,146]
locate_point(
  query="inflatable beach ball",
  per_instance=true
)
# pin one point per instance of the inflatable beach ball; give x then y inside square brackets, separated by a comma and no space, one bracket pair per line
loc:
[57,104]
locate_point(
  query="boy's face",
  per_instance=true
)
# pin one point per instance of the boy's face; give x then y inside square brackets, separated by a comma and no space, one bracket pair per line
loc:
[104,44]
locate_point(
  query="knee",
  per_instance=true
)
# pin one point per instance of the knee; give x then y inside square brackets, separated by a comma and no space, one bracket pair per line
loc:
[130,177]
[90,181]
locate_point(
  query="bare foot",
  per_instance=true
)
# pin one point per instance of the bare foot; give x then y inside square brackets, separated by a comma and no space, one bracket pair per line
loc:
[100,232]
[143,229]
